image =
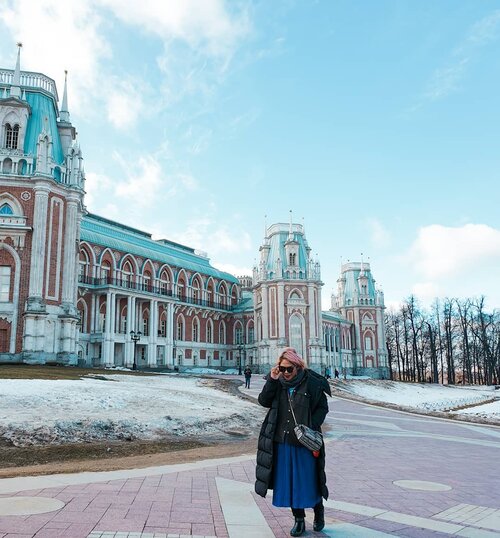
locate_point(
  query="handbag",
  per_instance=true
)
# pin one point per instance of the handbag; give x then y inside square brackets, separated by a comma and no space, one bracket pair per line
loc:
[306,436]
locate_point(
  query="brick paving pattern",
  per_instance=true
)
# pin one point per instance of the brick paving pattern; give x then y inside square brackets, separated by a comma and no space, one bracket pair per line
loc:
[369,449]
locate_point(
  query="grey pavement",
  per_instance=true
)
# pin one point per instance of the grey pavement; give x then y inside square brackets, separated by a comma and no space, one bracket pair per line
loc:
[389,474]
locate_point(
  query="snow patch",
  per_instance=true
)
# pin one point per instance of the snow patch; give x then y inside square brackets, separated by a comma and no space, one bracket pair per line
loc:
[117,407]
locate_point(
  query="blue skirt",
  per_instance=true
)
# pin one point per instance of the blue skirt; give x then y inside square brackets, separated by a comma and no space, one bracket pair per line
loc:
[295,477]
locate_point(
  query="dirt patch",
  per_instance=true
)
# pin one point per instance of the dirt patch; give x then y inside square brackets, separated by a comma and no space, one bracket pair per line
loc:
[85,458]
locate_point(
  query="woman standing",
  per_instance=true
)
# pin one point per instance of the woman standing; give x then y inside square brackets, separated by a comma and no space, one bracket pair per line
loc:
[294,473]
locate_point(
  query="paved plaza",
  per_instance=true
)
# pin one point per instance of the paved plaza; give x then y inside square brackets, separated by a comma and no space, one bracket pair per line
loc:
[389,474]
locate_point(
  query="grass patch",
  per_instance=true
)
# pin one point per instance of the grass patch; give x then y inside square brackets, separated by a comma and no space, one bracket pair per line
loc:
[28,371]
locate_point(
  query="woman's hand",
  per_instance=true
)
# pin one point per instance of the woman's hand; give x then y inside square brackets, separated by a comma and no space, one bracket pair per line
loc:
[275,372]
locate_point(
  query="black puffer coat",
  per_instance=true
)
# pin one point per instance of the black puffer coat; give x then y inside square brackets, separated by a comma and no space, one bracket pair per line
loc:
[311,390]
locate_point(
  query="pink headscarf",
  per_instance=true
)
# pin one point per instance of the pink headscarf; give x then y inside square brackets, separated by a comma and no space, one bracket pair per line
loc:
[293,358]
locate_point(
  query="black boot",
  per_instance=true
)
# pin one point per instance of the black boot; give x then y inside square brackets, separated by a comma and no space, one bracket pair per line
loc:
[299,528]
[319,517]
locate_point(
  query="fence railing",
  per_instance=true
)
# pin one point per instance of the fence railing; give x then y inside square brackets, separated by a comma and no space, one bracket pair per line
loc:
[148,288]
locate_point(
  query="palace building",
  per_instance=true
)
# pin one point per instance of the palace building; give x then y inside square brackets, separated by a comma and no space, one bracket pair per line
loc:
[79,289]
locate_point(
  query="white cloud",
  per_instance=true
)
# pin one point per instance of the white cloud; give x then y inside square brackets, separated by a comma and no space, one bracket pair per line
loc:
[485,30]
[59,35]
[124,104]
[380,236]
[236,270]
[445,80]
[144,180]
[442,251]
[219,241]
[206,25]
[426,291]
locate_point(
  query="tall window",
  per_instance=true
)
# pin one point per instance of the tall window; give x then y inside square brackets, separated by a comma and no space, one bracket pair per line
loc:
[180,329]
[238,335]
[106,272]
[127,275]
[4,283]
[297,334]
[368,343]
[251,335]
[222,333]
[11,136]
[209,331]
[163,327]
[145,326]
[196,330]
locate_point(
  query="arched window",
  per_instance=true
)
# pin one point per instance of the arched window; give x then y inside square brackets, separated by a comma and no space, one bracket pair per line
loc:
[222,333]
[196,291]
[164,283]
[251,335]
[11,136]
[238,334]
[297,333]
[127,275]
[210,331]
[196,330]
[180,329]
[145,323]
[6,210]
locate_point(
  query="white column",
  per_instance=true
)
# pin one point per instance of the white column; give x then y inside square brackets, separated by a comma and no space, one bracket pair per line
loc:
[312,312]
[92,314]
[171,335]
[129,345]
[69,284]
[153,332]
[281,310]
[108,355]
[265,314]
[38,246]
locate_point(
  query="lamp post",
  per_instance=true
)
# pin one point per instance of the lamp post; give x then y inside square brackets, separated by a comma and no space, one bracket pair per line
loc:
[135,337]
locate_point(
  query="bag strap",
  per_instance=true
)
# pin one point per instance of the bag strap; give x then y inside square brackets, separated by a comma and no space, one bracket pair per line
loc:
[291,409]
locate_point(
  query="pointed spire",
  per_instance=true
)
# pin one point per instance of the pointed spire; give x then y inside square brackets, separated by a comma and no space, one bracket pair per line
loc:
[64,114]
[15,89]
[290,231]
[362,272]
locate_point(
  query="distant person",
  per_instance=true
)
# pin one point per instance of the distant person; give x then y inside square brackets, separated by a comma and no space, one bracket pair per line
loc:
[248,376]
[336,373]
[328,373]
[294,473]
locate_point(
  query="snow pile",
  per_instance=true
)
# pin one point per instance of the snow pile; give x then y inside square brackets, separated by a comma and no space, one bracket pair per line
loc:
[488,410]
[428,397]
[114,407]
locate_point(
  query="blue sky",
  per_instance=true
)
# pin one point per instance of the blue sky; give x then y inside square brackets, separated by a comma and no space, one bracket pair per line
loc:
[378,123]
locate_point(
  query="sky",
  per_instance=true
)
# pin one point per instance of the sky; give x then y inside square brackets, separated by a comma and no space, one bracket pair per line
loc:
[376,123]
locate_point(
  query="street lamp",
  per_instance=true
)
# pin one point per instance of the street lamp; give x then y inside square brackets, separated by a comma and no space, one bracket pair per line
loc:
[135,337]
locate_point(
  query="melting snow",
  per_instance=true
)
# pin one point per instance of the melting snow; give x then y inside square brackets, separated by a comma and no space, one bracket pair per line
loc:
[117,407]
[429,396]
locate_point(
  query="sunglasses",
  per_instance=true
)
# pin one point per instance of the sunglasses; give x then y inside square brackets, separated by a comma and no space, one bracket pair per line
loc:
[288,369]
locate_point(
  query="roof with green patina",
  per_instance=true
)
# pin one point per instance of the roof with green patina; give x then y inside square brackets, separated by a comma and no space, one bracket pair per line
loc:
[107,233]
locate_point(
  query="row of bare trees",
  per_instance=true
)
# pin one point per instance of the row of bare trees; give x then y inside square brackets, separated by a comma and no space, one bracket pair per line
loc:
[455,341]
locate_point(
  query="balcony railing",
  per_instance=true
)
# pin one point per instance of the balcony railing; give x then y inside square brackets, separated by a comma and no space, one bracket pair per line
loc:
[148,288]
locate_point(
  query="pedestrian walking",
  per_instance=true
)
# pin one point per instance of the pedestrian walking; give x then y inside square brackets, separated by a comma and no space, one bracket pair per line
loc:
[336,373]
[248,376]
[293,393]
[328,373]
